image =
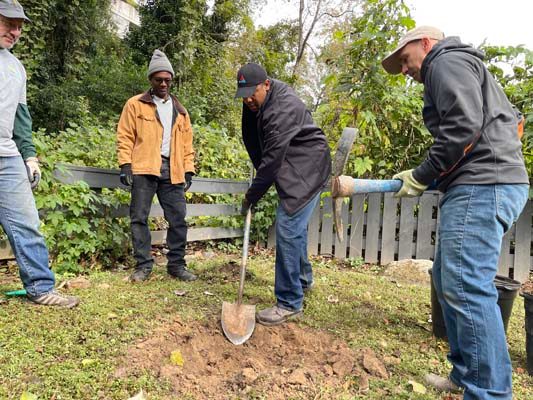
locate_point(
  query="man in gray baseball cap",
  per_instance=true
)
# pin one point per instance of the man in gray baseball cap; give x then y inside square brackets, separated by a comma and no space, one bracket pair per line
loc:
[392,64]
[19,169]
[12,9]
[476,162]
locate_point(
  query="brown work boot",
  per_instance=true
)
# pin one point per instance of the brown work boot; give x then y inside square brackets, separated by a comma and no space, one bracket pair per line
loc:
[276,315]
[441,384]
[55,298]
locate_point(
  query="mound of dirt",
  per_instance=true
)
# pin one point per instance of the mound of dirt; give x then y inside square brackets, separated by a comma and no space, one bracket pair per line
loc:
[282,362]
[409,271]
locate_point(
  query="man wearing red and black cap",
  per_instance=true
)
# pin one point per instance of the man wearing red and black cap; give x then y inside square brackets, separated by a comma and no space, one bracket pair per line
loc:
[288,150]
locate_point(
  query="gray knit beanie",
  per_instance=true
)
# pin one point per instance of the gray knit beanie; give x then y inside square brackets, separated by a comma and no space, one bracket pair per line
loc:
[158,63]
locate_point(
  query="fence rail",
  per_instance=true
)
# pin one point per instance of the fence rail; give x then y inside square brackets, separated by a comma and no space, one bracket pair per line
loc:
[99,178]
[380,228]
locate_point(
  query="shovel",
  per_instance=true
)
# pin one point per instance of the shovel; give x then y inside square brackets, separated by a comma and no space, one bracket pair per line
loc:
[238,320]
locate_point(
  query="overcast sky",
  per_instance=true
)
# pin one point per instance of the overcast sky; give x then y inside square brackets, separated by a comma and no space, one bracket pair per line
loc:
[501,22]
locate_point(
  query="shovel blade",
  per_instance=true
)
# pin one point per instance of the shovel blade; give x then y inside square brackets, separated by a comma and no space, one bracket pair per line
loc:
[238,321]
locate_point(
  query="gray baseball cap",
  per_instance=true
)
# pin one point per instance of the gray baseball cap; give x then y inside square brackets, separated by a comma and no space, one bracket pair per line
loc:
[12,9]
[391,63]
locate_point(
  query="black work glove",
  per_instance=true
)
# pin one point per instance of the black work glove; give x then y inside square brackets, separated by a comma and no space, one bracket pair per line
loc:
[188,180]
[126,176]
[245,205]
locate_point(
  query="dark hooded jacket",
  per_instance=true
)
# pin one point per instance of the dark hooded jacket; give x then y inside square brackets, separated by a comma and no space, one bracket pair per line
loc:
[473,123]
[286,148]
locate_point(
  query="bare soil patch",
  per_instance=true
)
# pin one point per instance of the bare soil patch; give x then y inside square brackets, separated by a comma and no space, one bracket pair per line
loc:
[287,361]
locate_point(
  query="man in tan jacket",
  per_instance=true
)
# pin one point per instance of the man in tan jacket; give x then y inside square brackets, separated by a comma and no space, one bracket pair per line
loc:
[156,156]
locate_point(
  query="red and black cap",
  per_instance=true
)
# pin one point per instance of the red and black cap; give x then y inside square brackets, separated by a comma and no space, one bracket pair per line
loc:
[248,77]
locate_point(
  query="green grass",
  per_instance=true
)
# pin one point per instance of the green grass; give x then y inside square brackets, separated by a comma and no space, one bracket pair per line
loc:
[73,354]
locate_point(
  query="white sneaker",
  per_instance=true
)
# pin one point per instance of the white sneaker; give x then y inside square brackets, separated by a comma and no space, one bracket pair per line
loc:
[55,298]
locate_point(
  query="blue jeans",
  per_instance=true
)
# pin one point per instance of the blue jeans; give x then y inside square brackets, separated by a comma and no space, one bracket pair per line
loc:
[293,270]
[20,220]
[473,220]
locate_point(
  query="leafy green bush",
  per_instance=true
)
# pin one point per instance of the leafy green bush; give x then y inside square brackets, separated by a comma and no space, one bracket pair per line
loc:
[513,67]
[221,155]
[386,109]
[76,220]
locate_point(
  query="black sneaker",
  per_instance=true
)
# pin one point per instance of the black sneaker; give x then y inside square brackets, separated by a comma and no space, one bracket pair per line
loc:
[182,274]
[140,275]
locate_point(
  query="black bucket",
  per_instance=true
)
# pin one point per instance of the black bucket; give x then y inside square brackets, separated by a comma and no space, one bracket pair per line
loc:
[507,291]
[528,305]
[438,327]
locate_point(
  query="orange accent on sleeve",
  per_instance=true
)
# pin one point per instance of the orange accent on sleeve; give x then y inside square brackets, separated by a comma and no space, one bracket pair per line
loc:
[521,128]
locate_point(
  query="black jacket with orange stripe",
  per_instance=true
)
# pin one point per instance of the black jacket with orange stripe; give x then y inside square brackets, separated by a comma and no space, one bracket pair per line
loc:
[473,123]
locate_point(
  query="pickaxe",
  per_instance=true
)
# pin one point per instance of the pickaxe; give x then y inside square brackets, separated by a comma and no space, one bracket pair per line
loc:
[346,186]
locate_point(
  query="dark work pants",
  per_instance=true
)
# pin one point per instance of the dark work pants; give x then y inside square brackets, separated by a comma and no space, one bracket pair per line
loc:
[172,200]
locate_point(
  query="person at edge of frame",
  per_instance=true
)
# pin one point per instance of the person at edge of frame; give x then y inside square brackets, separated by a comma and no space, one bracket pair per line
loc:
[19,169]
[476,161]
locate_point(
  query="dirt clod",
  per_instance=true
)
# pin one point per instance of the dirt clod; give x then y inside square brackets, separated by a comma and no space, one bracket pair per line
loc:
[373,365]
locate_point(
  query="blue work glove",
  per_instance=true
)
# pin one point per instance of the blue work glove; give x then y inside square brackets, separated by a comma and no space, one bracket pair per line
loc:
[126,176]
[33,170]
[188,180]
[410,187]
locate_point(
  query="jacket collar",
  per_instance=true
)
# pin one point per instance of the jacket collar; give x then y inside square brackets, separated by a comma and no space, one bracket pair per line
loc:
[146,97]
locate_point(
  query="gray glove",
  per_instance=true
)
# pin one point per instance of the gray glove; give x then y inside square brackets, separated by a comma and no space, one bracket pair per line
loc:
[33,170]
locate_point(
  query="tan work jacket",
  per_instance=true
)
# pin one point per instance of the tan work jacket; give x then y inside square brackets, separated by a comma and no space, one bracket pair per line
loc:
[140,134]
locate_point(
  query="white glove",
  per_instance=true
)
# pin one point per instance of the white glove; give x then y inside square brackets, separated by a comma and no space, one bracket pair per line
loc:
[34,172]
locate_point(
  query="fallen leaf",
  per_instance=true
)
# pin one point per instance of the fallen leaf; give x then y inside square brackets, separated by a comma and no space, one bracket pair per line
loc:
[28,396]
[138,396]
[176,358]
[112,315]
[104,286]
[61,285]
[333,299]
[208,293]
[180,292]
[417,387]
[87,362]
[78,283]
[519,370]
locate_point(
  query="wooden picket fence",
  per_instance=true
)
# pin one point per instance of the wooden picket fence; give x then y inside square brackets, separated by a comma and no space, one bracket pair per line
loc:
[377,227]
[380,228]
